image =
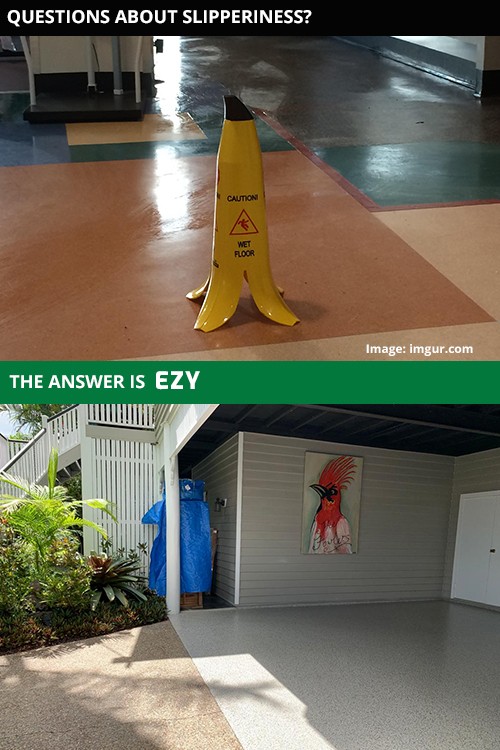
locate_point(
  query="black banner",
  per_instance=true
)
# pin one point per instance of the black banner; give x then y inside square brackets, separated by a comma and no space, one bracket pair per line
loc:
[162,22]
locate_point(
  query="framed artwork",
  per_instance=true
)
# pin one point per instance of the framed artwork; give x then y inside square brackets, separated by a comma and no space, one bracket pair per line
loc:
[332,497]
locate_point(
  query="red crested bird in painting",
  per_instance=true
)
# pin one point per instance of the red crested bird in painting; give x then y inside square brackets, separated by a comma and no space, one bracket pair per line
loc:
[330,530]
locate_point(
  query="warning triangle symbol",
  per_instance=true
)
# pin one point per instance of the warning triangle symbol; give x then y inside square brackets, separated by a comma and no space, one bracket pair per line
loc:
[244,225]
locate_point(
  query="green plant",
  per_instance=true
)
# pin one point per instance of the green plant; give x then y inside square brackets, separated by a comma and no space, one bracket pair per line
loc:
[22,631]
[69,588]
[67,581]
[74,486]
[153,609]
[46,514]
[16,572]
[116,578]
[132,554]
[30,415]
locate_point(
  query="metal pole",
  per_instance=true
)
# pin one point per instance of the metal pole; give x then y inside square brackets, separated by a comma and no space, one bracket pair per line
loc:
[91,86]
[117,66]
[138,56]
[31,75]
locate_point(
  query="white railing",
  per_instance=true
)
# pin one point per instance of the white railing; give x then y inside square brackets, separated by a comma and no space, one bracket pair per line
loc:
[29,459]
[122,415]
[63,430]
[30,463]
[15,446]
[10,448]
[4,450]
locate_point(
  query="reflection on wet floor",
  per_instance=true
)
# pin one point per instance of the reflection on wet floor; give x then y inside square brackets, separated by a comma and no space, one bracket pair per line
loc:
[351,142]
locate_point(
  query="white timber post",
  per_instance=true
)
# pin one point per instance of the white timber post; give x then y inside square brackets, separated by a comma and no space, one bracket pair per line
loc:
[46,438]
[173,523]
[87,473]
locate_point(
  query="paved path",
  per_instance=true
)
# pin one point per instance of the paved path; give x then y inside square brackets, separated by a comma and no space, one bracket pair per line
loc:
[136,689]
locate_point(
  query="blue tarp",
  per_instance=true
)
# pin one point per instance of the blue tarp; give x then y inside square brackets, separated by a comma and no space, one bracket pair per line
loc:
[158,557]
[196,547]
[195,541]
[192,489]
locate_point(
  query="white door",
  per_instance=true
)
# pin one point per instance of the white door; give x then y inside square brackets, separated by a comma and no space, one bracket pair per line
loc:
[476,567]
[493,587]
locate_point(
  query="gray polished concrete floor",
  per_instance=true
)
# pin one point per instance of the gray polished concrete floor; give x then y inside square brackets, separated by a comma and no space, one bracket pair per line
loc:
[408,676]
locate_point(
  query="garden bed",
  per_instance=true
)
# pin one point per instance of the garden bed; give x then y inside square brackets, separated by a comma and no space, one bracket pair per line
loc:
[50,592]
[26,631]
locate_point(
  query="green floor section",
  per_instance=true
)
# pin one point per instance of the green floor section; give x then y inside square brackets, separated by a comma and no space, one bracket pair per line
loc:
[402,174]
[142,150]
[420,173]
[12,106]
[269,141]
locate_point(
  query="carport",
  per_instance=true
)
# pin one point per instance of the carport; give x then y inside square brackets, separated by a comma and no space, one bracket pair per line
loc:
[373,651]
[429,475]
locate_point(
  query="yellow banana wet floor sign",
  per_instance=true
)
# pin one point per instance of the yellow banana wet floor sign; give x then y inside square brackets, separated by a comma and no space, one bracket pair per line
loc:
[240,243]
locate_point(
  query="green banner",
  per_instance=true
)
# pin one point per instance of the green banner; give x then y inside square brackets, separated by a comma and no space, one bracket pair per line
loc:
[249,382]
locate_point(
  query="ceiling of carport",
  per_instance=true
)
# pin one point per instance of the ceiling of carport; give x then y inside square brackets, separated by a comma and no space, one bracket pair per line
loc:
[446,429]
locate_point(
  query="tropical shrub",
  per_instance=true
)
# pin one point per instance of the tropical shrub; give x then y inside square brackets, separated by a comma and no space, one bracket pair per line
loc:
[43,515]
[16,572]
[116,578]
[21,632]
[132,554]
[49,592]
[66,583]
[74,486]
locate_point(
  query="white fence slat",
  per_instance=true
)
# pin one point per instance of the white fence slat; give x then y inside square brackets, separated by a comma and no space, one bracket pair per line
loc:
[124,473]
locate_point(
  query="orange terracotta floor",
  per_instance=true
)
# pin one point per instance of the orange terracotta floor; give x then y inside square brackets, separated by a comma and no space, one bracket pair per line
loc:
[103,235]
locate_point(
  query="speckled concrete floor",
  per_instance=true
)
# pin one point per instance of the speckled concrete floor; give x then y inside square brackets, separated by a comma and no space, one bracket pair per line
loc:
[406,676]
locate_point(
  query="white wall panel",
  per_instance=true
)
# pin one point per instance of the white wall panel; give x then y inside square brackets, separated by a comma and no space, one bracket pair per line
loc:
[405,506]
[220,474]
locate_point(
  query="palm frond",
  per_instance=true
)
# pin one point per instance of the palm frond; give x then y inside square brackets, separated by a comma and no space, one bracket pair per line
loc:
[52,471]
[44,513]
[76,521]
[15,481]
[105,505]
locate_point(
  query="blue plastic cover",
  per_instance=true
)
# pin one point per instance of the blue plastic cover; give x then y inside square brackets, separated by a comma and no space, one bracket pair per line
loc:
[196,547]
[192,489]
[158,557]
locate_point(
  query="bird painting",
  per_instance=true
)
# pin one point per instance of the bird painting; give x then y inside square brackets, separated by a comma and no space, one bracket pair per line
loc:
[330,531]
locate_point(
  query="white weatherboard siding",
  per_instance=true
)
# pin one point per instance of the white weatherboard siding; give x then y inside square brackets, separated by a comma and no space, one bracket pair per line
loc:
[478,472]
[405,506]
[220,474]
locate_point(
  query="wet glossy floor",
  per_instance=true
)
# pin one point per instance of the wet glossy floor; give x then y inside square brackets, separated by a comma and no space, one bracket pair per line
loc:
[383,207]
